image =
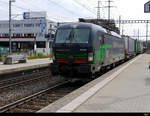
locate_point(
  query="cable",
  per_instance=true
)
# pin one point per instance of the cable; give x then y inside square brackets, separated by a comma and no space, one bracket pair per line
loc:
[117,9]
[102,7]
[84,6]
[52,17]
[69,11]
[62,17]
[14,5]
[33,5]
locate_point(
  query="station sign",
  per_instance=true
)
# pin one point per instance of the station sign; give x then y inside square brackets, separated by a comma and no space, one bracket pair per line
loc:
[147,7]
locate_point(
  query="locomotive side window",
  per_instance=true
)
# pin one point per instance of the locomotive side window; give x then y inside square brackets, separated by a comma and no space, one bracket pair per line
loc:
[97,40]
[102,39]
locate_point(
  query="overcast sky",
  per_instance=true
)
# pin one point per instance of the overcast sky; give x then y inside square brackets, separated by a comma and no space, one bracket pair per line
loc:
[71,10]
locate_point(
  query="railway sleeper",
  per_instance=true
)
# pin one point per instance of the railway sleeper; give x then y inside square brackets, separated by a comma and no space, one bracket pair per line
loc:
[49,98]
[45,99]
[40,101]
[21,110]
[55,98]
[62,92]
[32,107]
[37,103]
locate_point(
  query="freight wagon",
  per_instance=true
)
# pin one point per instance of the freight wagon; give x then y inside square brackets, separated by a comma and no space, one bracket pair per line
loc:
[141,47]
[138,47]
[129,47]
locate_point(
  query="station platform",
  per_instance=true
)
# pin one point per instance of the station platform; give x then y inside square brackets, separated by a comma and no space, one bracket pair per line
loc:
[31,64]
[126,88]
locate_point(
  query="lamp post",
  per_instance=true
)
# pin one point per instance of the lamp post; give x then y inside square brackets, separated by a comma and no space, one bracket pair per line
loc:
[10,2]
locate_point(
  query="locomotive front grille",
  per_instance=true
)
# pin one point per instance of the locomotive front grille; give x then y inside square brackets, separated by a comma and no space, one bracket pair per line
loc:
[77,58]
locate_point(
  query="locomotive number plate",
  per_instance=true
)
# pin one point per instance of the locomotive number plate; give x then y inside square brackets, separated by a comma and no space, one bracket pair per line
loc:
[70,57]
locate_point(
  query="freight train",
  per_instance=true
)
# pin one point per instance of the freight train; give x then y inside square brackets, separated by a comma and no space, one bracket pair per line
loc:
[86,48]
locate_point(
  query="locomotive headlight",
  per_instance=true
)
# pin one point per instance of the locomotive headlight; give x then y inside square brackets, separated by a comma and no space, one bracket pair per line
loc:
[90,57]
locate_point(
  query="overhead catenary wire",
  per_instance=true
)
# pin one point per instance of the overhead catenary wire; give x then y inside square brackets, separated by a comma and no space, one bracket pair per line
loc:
[100,10]
[67,10]
[103,12]
[49,14]
[22,8]
[57,4]
[19,7]
[42,8]
[83,6]
[52,17]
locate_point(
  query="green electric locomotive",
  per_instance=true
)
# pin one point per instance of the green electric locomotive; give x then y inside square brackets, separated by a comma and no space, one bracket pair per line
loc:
[85,48]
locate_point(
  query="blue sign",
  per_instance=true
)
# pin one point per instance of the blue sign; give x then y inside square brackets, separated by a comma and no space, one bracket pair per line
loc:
[26,15]
[42,26]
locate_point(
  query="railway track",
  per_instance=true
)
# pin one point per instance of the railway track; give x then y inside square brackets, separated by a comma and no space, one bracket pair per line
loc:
[20,80]
[15,88]
[13,75]
[41,99]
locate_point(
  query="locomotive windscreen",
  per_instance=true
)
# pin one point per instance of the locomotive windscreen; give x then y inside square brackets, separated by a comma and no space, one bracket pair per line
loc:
[72,35]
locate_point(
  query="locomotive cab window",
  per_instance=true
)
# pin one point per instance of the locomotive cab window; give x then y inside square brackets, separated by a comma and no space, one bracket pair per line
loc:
[72,35]
[62,35]
[80,35]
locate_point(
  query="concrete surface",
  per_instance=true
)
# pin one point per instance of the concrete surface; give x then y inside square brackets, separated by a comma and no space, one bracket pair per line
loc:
[24,66]
[127,90]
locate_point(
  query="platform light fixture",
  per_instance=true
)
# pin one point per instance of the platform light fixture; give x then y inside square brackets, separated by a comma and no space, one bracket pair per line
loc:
[10,26]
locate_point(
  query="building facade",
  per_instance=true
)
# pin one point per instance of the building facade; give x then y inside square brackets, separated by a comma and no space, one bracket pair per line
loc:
[32,32]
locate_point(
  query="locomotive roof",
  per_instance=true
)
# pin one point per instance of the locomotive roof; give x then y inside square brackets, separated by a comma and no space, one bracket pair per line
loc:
[115,34]
[87,25]
[82,25]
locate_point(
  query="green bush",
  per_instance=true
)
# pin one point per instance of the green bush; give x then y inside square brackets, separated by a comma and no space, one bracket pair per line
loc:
[39,55]
[35,56]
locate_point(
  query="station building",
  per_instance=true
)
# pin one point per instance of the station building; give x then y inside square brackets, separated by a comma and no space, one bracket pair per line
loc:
[30,33]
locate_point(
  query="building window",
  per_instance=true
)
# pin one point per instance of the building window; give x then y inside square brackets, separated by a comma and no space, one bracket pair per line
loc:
[5,35]
[17,34]
[29,34]
[38,24]
[16,25]
[28,25]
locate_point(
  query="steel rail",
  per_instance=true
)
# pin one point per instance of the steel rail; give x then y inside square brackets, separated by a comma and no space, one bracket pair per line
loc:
[26,99]
[19,83]
[7,81]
